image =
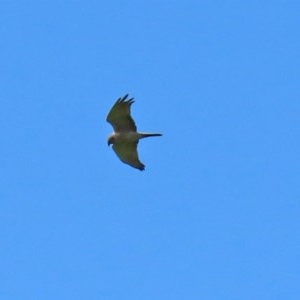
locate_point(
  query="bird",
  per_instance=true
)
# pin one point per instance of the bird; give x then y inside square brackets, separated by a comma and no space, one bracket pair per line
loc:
[125,136]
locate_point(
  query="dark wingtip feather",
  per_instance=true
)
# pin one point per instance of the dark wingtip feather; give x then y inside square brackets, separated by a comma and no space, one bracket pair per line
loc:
[130,101]
[125,97]
[141,167]
[121,100]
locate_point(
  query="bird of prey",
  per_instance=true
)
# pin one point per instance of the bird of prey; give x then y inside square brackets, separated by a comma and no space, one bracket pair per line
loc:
[125,137]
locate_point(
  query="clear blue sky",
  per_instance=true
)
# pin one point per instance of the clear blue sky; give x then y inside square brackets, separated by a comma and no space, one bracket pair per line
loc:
[215,216]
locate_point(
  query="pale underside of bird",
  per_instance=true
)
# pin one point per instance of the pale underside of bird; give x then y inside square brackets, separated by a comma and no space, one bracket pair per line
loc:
[125,137]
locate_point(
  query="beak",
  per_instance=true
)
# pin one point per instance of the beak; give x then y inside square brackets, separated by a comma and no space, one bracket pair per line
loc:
[109,141]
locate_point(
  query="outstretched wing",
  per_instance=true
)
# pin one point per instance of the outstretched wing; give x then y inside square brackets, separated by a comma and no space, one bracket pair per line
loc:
[127,152]
[119,116]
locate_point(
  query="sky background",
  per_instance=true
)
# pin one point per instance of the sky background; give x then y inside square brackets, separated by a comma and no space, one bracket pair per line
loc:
[215,215]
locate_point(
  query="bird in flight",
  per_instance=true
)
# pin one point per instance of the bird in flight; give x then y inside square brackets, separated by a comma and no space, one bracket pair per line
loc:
[125,137]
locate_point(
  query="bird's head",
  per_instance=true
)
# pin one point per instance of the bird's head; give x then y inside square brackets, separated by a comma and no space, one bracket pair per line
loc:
[110,140]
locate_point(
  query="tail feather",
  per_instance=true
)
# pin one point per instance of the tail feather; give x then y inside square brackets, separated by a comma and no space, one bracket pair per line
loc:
[145,135]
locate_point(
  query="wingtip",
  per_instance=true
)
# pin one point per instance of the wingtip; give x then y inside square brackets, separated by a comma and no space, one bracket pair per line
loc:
[124,99]
[130,101]
[141,167]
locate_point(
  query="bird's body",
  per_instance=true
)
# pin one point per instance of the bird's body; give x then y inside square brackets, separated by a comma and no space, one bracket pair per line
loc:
[130,136]
[125,136]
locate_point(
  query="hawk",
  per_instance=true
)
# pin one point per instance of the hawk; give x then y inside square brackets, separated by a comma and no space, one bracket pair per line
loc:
[125,137]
